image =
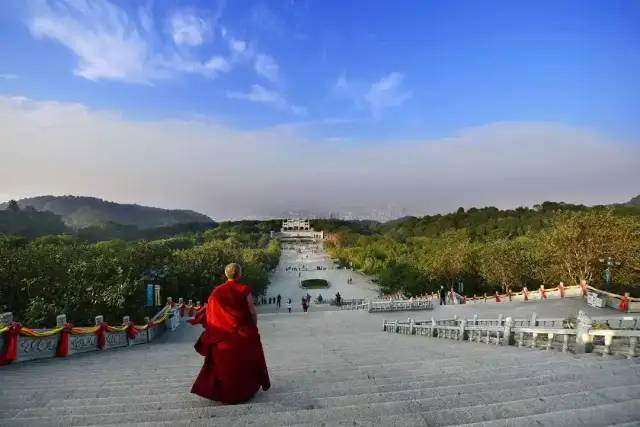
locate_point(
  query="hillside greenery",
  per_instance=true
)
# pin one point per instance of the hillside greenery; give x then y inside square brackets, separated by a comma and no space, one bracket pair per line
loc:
[489,249]
[48,275]
[81,212]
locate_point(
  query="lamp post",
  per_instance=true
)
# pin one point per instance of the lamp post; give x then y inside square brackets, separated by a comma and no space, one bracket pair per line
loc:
[609,263]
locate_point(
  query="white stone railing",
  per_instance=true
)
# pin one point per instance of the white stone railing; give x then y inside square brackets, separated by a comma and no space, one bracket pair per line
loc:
[399,305]
[46,346]
[578,335]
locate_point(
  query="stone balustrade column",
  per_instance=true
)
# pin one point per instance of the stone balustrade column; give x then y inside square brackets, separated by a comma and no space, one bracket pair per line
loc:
[583,339]
[533,323]
[6,318]
[412,327]
[61,320]
[463,326]
[508,324]
[99,319]
[475,319]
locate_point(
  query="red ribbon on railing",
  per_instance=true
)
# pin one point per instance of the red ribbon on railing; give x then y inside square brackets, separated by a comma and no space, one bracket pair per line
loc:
[497,297]
[102,340]
[10,351]
[63,343]
[624,304]
[132,332]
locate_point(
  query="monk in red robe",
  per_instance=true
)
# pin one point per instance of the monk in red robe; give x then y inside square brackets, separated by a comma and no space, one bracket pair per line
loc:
[234,366]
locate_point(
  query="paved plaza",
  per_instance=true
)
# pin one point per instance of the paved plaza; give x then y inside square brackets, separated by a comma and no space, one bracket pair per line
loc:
[300,261]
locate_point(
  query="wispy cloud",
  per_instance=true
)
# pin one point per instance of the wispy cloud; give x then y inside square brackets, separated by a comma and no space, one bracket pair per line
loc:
[262,95]
[267,67]
[112,44]
[8,76]
[187,28]
[387,92]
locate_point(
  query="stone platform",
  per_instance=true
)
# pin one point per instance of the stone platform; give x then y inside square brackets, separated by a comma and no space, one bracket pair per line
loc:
[331,368]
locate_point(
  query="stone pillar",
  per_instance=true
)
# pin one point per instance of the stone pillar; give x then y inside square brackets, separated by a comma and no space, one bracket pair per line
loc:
[583,339]
[99,319]
[369,308]
[180,301]
[475,319]
[190,302]
[463,325]
[6,318]
[500,319]
[61,320]
[508,324]
[533,320]
[412,329]
[125,320]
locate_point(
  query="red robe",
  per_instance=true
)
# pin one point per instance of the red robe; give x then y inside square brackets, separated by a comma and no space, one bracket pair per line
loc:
[234,366]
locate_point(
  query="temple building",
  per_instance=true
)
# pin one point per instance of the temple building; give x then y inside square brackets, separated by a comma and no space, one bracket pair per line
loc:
[297,229]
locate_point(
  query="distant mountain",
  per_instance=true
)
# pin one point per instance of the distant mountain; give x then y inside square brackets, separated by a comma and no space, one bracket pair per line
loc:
[634,202]
[81,212]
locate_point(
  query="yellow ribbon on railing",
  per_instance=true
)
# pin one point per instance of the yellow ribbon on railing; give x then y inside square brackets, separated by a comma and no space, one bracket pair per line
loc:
[27,332]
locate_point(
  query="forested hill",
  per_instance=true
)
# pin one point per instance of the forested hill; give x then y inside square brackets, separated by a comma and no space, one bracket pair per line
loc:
[81,212]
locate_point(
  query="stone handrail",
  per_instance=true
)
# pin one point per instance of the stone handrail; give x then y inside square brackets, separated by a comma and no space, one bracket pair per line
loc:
[616,341]
[399,305]
[545,333]
[41,343]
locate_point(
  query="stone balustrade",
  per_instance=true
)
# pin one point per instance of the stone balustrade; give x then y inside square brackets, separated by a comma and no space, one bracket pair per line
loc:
[578,335]
[40,347]
[399,305]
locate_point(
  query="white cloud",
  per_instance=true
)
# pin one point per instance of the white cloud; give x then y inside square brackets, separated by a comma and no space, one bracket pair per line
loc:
[8,76]
[262,95]
[188,29]
[237,46]
[51,148]
[386,92]
[112,45]
[218,64]
[267,67]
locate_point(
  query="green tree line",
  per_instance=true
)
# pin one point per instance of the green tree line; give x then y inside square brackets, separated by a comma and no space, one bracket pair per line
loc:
[489,249]
[49,275]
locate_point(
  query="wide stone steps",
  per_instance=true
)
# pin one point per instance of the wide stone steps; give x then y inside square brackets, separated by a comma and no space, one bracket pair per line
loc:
[322,374]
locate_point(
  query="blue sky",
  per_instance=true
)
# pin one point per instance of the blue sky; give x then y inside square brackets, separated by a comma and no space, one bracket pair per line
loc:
[336,74]
[447,65]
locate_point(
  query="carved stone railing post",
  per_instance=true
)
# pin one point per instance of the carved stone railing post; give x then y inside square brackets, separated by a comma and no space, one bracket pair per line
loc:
[633,342]
[6,318]
[370,307]
[500,319]
[475,319]
[61,320]
[583,339]
[463,325]
[533,323]
[99,319]
[146,322]
[508,324]
[433,326]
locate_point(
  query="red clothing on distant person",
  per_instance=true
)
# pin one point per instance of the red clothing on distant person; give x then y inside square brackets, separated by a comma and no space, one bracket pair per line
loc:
[234,367]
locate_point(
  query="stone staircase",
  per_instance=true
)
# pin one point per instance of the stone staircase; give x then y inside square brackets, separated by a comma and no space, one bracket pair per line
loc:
[329,368]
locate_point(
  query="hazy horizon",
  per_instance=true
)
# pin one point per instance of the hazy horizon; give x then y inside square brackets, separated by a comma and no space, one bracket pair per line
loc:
[244,109]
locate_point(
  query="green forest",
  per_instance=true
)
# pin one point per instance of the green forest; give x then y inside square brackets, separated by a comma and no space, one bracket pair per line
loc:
[489,249]
[72,273]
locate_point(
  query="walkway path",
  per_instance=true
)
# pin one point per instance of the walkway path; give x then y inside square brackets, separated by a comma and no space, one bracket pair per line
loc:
[287,283]
[335,368]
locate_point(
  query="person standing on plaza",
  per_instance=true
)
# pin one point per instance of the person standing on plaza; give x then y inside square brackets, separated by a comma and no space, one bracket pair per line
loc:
[443,296]
[278,299]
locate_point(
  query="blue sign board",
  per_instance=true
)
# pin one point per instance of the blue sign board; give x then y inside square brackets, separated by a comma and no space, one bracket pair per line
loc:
[149,301]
